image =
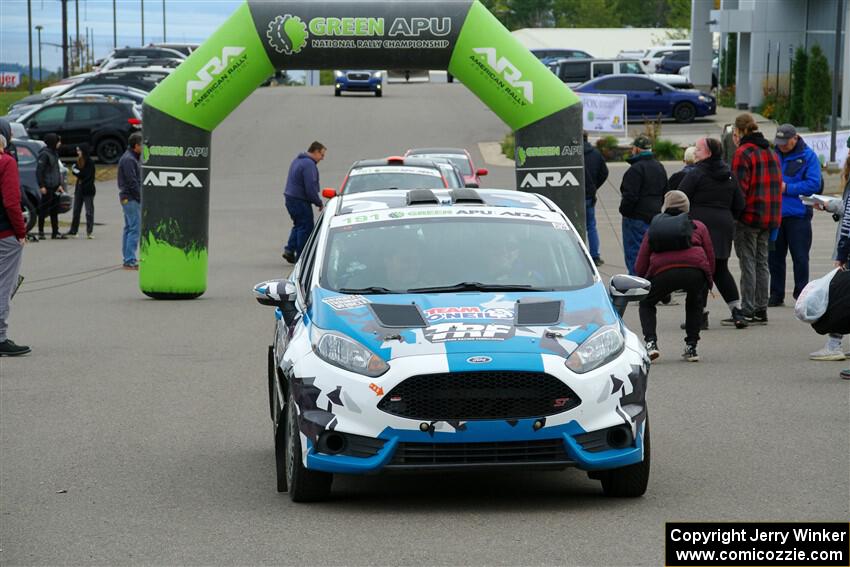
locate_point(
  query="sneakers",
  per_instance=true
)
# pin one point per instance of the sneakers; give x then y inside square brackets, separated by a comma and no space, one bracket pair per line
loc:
[845,374]
[652,350]
[90,236]
[757,318]
[58,237]
[775,302]
[828,354]
[41,236]
[289,256]
[703,324]
[598,262]
[131,266]
[8,348]
[690,353]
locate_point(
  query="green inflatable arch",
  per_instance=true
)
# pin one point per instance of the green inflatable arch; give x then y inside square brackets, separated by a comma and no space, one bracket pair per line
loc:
[260,37]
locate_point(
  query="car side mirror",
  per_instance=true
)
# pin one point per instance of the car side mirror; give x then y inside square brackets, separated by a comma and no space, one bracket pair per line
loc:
[280,294]
[328,192]
[657,90]
[482,172]
[32,124]
[625,289]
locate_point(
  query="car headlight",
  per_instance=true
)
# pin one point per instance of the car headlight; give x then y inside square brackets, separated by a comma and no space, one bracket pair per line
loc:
[377,75]
[338,74]
[602,347]
[704,98]
[347,353]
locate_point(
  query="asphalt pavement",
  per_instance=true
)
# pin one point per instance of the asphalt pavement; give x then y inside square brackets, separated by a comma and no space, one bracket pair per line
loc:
[138,431]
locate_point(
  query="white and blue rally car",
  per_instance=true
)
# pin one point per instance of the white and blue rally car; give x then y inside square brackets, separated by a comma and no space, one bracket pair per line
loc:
[453,329]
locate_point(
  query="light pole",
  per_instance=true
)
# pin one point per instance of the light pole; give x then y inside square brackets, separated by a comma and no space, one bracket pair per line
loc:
[114,27]
[77,43]
[64,38]
[163,22]
[143,22]
[38,28]
[29,36]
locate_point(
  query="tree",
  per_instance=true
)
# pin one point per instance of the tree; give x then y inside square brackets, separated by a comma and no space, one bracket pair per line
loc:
[797,114]
[817,95]
[678,14]
[729,61]
[586,14]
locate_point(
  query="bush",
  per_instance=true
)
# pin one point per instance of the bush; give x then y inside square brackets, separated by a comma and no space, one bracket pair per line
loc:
[667,150]
[326,77]
[796,113]
[775,107]
[817,96]
[608,147]
[508,146]
[729,62]
[726,97]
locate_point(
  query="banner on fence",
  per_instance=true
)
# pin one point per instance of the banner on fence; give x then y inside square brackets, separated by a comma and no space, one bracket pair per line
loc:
[820,141]
[10,80]
[604,113]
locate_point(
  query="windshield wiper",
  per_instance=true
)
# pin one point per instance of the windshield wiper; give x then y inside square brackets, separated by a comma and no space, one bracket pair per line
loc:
[474,286]
[373,289]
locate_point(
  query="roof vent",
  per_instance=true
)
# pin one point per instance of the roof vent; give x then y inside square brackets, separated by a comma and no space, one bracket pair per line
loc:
[422,197]
[466,196]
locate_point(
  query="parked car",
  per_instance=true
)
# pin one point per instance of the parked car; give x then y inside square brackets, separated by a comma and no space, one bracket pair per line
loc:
[394,172]
[647,98]
[149,52]
[142,78]
[673,62]
[359,81]
[453,330]
[28,151]
[546,54]
[575,72]
[100,123]
[459,156]
[140,62]
[116,92]
[451,172]
[184,48]
[630,53]
[653,56]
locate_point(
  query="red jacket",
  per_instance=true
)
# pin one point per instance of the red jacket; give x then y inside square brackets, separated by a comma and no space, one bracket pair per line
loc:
[11,217]
[700,255]
[759,175]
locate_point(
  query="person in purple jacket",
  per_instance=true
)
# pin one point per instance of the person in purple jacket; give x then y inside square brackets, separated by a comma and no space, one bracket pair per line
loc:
[302,191]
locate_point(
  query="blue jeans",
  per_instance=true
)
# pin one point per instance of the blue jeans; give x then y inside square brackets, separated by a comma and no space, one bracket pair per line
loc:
[132,228]
[795,234]
[633,231]
[301,213]
[592,234]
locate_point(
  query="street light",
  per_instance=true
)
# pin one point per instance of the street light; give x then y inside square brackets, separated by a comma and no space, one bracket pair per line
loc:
[38,28]
[143,22]
[163,22]
[29,37]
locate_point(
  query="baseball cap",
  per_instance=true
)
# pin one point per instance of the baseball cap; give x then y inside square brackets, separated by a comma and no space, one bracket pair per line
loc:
[784,133]
[642,142]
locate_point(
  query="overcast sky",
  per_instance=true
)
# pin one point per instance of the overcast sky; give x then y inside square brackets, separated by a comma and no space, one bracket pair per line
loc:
[186,21]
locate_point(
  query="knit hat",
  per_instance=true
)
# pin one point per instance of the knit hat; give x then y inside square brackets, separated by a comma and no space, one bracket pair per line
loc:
[642,142]
[690,155]
[676,200]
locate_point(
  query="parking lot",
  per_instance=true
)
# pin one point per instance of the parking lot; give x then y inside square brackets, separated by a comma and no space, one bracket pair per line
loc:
[138,433]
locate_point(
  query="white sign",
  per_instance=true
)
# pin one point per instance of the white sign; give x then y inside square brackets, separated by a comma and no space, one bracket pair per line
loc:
[819,142]
[9,80]
[604,113]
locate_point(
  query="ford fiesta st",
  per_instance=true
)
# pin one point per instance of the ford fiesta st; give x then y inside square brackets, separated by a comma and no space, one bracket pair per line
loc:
[453,329]
[394,172]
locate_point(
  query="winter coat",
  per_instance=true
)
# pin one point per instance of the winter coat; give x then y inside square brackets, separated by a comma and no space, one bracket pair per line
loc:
[130,177]
[302,182]
[802,176]
[837,317]
[85,178]
[700,255]
[11,217]
[676,179]
[643,187]
[842,251]
[47,171]
[759,176]
[595,171]
[716,201]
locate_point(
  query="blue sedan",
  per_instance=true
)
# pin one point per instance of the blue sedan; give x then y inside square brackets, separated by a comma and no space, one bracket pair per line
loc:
[648,98]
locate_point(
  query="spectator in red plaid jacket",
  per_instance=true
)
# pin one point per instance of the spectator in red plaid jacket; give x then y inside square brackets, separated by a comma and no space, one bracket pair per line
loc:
[759,175]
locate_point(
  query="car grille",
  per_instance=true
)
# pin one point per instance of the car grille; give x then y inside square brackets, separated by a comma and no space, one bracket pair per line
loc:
[479,395]
[358,76]
[436,455]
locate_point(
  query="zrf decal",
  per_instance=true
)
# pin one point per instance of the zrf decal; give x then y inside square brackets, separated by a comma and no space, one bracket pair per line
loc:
[445,332]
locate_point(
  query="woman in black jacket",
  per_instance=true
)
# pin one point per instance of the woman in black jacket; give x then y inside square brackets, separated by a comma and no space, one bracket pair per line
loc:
[50,184]
[84,192]
[717,201]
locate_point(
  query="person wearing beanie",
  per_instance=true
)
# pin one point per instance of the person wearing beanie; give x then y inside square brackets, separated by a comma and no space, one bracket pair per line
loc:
[801,177]
[642,190]
[50,184]
[717,202]
[675,254]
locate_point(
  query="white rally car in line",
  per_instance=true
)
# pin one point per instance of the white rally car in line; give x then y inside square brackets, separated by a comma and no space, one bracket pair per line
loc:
[453,329]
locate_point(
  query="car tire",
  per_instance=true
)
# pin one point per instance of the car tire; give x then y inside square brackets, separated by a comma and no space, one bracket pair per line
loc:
[337,92]
[379,94]
[271,376]
[450,78]
[30,213]
[109,150]
[684,112]
[630,481]
[280,452]
[304,485]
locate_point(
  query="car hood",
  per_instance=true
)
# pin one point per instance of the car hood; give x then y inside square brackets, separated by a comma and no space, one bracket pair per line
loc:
[472,323]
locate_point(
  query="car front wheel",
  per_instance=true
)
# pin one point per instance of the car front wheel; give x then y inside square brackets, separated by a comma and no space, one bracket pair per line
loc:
[630,481]
[304,485]
[30,213]
[684,112]
[109,150]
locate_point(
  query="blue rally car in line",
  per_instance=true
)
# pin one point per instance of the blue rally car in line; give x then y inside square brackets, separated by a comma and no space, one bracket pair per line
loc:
[453,329]
[359,81]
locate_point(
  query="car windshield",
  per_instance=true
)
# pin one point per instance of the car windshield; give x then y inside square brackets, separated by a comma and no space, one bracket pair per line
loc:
[459,160]
[374,178]
[453,254]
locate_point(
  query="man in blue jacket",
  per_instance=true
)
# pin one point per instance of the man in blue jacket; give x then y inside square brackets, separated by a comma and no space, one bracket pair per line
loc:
[302,191]
[801,176]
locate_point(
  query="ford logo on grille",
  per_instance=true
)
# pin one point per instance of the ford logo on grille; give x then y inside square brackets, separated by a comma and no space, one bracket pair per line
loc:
[479,359]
